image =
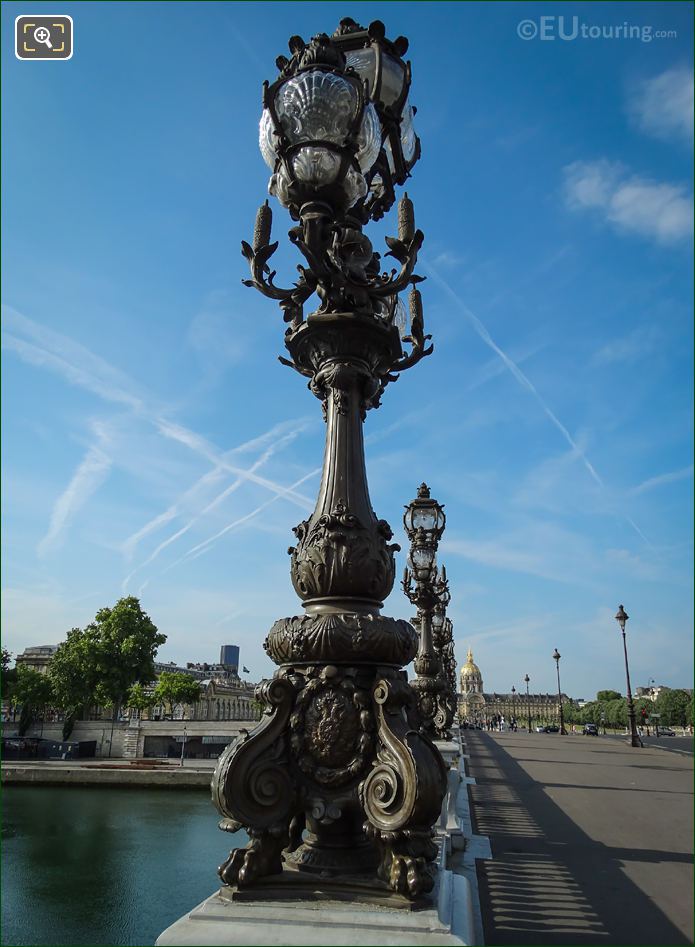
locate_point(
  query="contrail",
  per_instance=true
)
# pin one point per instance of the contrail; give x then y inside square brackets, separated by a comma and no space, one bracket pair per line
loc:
[217,473]
[90,474]
[267,454]
[198,550]
[525,382]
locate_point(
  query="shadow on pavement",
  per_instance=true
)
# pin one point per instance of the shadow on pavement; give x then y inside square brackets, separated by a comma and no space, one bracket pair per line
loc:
[548,881]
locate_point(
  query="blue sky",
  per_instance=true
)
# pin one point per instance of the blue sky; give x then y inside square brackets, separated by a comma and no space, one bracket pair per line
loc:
[151,435]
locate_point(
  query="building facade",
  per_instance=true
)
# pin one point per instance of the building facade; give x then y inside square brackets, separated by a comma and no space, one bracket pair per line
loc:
[219,700]
[224,696]
[37,657]
[480,708]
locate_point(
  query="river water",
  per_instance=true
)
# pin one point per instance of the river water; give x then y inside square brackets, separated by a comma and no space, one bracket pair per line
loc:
[105,866]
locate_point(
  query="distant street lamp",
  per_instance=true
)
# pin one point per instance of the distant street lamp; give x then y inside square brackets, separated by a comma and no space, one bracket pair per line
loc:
[426,587]
[513,707]
[622,618]
[556,658]
[528,702]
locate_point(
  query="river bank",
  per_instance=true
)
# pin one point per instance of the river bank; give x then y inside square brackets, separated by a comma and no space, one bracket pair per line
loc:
[121,773]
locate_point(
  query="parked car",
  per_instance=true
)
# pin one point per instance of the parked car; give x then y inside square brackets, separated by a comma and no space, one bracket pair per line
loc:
[666,732]
[590,730]
[540,729]
[548,729]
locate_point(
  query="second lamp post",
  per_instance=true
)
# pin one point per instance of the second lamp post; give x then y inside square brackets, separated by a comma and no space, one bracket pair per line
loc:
[427,588]
[622,618]
[556,658]
[528,702]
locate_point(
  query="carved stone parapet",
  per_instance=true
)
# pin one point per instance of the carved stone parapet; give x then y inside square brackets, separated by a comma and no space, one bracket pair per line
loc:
[341,638]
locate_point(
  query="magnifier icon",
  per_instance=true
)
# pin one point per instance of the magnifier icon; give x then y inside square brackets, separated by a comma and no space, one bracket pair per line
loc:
[43,35]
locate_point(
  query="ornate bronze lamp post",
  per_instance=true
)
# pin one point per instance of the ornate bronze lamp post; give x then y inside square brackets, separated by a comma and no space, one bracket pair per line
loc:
[427,588]
[556,658]
[443,639]
[622,618]
[528,702]
[338,779]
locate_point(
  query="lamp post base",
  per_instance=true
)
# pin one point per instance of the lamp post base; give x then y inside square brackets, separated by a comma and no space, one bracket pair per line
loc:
[336,778]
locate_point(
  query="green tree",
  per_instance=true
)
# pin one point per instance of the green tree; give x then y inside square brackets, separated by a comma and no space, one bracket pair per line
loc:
[123,641]
[138,698]
[608,695]
[176,688]
[616,712]
[591,712]
[100,663]
[672,705]
[32,692]
[8,675]
[73,674]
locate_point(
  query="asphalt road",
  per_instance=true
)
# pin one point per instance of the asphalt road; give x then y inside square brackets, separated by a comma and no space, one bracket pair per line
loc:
[592,840]
[678,744]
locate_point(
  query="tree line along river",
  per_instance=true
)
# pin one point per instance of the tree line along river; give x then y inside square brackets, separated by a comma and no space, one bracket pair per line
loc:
[105,866]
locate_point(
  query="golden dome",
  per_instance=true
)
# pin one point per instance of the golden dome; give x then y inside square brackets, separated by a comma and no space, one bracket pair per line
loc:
[470,668]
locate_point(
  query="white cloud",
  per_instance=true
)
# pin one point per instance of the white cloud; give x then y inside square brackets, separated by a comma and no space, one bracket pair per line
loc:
[671,476]
[212,333]
[449,258]
[637,344]
[632,204]
[663,105]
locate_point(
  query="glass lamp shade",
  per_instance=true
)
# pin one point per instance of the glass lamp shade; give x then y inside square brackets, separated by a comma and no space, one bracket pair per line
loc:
[401,318]
[408,136]
[388,151]
[424,514]
[386,87]
[317,106]
[423,560]
[392,311]
[268,140]
[437,621]
[315,113]
[424,517]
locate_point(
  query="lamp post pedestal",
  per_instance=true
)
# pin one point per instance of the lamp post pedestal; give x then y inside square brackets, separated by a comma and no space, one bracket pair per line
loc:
[338,780]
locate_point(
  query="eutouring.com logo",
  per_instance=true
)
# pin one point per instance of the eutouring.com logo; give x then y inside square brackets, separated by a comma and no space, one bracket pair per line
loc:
[569,28]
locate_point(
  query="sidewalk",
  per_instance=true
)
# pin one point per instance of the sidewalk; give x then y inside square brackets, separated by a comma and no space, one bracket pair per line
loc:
[591,841]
